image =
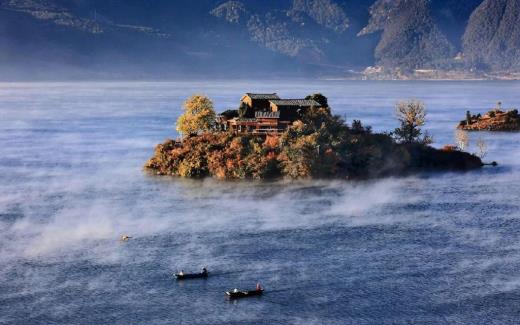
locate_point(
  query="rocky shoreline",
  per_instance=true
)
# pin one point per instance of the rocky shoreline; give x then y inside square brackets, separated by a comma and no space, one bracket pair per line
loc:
[494,120]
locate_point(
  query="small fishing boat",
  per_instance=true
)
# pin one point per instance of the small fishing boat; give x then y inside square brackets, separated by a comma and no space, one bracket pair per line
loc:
[235,293]
[185,276]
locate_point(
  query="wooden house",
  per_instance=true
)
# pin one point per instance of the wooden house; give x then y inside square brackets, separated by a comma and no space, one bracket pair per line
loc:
[291,109]
[268,114]
[263,123]
[258,102]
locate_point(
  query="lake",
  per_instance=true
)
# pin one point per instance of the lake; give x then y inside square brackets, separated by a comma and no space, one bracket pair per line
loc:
[434,248]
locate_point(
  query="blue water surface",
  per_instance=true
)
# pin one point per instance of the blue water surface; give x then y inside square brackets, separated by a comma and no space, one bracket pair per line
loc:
[438,248]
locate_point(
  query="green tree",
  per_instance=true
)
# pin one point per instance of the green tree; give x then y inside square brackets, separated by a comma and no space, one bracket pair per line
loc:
[315,117]
[244,111]
[199,115]
[322,100]
[412,115]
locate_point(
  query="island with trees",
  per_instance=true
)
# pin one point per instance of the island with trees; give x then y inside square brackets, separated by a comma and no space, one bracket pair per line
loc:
[495,120]
[270,137]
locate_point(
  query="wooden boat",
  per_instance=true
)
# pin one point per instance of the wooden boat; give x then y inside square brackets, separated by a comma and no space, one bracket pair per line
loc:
[235,294]
[187,276]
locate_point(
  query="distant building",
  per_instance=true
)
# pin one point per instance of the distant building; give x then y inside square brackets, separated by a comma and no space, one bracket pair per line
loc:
[272,114]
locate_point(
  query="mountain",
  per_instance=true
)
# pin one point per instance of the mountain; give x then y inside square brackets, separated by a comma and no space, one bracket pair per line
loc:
[118,39]
[410,37]
[142,39]
[316,32]
[492,38]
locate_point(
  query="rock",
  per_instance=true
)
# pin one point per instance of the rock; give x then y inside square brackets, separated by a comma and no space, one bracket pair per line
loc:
[494,120]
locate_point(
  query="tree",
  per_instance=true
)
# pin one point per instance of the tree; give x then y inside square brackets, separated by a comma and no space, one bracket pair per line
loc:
[245,111]
[358,128]
[315,117]
[198,116]
[318,97]
[482,148]
[462,139]
[300,156]
[229,114]
[412,115]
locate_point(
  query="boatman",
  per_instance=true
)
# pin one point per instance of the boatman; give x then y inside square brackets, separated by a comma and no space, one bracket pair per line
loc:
[258,287]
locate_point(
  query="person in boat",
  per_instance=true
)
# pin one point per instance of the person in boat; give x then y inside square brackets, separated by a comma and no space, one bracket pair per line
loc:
[181,273]
[125,237]
[235,290]
[204,271]
[258,287]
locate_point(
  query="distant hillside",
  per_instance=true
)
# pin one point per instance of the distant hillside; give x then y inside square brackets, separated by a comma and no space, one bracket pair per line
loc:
[410,37]
[270,38]
[492,38]
[317,32]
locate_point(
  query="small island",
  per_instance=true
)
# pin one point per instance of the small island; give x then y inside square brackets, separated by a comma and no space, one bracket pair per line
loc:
[495,120]
[271,137]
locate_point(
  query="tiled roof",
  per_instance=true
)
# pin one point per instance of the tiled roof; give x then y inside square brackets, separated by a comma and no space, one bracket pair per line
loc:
[267,114]
[263,96]
[295,102]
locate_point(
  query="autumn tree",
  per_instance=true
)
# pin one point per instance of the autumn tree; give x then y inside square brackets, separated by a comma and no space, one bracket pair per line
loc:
[300,155]
[199,115]
[412,115]
[482,148]
[462,139]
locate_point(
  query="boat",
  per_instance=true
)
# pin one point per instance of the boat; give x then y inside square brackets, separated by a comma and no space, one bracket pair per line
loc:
[235,293]
[186,276]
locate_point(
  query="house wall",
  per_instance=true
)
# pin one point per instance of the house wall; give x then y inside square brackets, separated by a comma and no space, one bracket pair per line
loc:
[257,104]
[287,113]
[247,100]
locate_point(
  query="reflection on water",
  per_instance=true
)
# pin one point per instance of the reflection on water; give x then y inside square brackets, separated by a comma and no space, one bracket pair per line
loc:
[437,248]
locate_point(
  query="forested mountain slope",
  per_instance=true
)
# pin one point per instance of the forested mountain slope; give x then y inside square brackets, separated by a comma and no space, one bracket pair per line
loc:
[267,38]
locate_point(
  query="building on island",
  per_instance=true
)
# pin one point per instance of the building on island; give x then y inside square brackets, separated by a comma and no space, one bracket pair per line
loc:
[291,109]
[266,114]
[258,102]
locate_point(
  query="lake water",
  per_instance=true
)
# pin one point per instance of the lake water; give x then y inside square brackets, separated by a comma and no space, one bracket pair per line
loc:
[434,248]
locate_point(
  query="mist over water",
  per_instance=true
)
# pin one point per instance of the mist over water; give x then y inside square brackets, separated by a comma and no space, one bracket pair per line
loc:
[433,248]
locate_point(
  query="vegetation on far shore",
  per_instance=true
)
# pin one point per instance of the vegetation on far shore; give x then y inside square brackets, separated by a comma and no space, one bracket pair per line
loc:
[318,145]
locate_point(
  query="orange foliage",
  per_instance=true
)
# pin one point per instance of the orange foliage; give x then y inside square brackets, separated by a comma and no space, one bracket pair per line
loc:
[272,141]
[449,148]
